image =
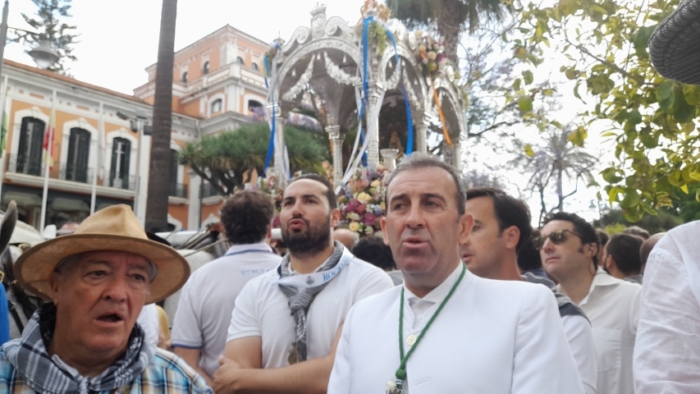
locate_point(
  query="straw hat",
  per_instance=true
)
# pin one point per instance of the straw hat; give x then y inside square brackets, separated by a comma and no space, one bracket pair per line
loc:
[111,229]
[674,45]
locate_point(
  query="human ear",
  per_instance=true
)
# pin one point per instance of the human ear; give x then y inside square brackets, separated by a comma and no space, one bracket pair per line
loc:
[385,234]
[335,217]
[511,236]
[466,222]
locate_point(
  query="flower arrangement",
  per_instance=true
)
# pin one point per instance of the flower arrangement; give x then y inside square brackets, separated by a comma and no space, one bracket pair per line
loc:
[361,201]
[431,53]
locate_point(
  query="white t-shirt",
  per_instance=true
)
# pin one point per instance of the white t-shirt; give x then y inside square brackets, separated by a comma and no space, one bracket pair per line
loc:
[579,333]
[207,299]
[612,306]
[667,352]
[492,336]
[262,310]
[148,320]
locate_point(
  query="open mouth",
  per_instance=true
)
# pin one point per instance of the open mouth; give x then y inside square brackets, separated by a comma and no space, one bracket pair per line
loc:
[110,318]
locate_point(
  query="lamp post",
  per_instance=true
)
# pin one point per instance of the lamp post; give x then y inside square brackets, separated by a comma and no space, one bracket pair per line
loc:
[136,125]
[44,57]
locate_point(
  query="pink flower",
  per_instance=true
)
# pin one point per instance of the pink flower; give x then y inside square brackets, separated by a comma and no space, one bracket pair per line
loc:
[362,208]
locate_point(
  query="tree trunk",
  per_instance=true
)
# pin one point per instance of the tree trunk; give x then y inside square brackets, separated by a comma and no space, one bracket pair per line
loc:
[560,187]
[159,171]
[449,28]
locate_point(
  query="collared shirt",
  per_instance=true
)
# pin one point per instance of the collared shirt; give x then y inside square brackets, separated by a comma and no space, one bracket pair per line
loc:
[635,278]
[209,296]
[488,338]
[166,373]
[612,306]
[667,354]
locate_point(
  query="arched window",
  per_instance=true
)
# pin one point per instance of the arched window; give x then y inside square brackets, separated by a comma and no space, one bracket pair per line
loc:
[184,77]
[240,60]
[216,106]
[256,67]
[31,140]
[119,170]
[205,68]
[78,153]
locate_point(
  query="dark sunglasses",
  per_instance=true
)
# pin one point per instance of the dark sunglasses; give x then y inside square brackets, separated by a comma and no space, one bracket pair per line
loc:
[557,237]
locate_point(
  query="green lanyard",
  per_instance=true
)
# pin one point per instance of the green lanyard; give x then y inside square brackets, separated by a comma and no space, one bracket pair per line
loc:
[401,372]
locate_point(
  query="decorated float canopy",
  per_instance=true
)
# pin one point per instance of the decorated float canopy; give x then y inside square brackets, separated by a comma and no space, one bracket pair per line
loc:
[374,77]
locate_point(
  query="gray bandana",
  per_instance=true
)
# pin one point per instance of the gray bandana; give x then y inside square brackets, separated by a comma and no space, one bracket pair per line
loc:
[50,375]
[299,299]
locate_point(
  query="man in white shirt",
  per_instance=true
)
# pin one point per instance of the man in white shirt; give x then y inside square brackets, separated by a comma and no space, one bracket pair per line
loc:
[667,353]
[446,330]
[286,323]
[621,257]
[204,309]
[569,247]
[501,228]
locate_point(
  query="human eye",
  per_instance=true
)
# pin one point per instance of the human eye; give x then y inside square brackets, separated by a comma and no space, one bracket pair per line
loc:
[139,277]
[97,273]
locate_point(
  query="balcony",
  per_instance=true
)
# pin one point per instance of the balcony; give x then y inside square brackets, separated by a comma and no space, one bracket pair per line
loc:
[82,175]
[208,191]
[126,183]
[24,164]
[177,190]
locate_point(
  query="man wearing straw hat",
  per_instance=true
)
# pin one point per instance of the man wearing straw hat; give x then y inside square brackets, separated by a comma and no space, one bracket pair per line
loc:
[667,350]
[86,340]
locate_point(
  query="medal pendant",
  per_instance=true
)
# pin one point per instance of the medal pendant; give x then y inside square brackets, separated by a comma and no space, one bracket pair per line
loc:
[394,387]
[292,358]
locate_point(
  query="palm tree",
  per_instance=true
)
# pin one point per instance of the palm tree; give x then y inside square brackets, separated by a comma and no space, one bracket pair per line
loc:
[157,202]
[556,160]
[450,16]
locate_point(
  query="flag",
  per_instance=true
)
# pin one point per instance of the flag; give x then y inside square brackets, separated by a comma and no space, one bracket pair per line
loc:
[3,133]
[49,135]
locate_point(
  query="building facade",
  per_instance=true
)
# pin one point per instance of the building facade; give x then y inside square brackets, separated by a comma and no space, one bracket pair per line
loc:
[97,160]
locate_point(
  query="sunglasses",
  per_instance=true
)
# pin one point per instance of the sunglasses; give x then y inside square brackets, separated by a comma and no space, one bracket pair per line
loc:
[557,237]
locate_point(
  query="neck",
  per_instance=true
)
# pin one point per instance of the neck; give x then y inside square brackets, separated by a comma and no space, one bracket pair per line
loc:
[306,264]
[508,269]
[88,363]
[421,285]
[577,286]
[616,273]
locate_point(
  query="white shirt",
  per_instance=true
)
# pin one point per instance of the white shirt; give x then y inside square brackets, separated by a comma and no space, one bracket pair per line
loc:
[149,322]
[262,310]
[492,337]
[207,299]
[612,306]
[579,334]
[667,355]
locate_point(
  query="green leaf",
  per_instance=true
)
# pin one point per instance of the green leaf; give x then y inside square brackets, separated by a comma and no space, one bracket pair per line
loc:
[528,77]
[665,95]
[631,199]
[631,216]
[692,94]
[579,136]
[525,103]
[516,84]
[634,117]
[528,151]
[682,112]
[685,190]
[612,194]
[697,195]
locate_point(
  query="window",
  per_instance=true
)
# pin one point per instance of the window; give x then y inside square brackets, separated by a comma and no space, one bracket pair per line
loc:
[175,189]
[255,67]
[78,153]
[216,106]
[184,77]
[205,68]
[119,170]
[240,61]
[31,141]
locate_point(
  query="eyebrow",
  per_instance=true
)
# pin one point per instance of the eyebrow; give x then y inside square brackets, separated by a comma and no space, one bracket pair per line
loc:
[423,196]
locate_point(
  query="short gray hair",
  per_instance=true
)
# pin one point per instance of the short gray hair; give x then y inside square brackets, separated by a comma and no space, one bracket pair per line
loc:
[419,160]
[69,261]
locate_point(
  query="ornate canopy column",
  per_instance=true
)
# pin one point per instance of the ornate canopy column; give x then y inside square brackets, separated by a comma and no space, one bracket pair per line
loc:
[376,94]
[336,138]
[280,168]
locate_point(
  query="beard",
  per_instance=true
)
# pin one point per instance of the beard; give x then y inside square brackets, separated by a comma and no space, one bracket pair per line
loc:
[309,241]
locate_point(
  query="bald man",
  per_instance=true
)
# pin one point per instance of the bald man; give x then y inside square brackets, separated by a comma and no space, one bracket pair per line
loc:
[346,237]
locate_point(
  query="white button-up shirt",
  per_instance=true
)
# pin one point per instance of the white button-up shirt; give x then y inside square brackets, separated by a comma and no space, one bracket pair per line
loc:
[492,337]
[667,355]
[612,306]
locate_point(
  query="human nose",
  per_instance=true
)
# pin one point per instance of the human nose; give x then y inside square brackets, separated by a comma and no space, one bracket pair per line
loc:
[548,245]
[117,289]
[415,217]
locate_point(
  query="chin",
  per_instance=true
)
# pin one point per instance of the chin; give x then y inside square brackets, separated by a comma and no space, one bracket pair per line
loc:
[417,265]
[107,343]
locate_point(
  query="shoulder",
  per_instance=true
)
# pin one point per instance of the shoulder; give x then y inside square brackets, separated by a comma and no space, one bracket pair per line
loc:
[377,303]
[510,288]
[362,269]
[168,370]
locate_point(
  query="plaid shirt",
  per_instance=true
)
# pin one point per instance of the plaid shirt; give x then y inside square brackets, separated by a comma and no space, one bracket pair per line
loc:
[166,373]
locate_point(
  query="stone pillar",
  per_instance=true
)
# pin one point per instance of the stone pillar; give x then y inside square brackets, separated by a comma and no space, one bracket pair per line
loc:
[195,201]
[457,154]
[336,138]
[375,93]
[280,168]
[420,126]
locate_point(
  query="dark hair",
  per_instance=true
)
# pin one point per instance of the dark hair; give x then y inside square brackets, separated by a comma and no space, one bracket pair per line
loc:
[624,248]
[419,160]
[603,237]
[647,247]
[638,231]
[330,193]
[584,229]
[509,211]
[528,257]
[246,216]
[374,251]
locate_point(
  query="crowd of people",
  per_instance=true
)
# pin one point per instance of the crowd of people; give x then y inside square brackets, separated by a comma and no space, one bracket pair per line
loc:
[459,295]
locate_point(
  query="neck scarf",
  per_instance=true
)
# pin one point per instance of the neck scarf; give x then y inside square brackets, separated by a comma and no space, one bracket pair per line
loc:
[302,289]
[50,375]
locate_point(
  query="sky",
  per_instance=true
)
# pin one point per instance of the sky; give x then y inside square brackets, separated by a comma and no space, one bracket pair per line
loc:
[119,39]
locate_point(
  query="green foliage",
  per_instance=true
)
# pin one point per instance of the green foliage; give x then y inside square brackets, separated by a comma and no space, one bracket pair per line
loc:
[616,219]
[226,159]
[47,22]
[654,120]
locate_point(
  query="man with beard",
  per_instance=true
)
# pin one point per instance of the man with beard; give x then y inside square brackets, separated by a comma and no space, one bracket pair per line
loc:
[286,323]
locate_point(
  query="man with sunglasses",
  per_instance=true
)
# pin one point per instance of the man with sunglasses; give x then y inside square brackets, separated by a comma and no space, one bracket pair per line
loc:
[501,230]
[569,247]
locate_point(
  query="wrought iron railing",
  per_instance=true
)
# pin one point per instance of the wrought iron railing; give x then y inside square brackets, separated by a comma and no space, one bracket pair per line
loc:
[124,182]
[25,164]
[69,172]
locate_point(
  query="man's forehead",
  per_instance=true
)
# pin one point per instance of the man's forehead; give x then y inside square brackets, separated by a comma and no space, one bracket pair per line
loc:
[434,180]
[114,258]
[480,207]
[556,225]
[305,187]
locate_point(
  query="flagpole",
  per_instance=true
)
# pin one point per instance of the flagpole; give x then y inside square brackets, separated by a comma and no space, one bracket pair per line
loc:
[3,39]
[100,133]
[3,133]
[47,165]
